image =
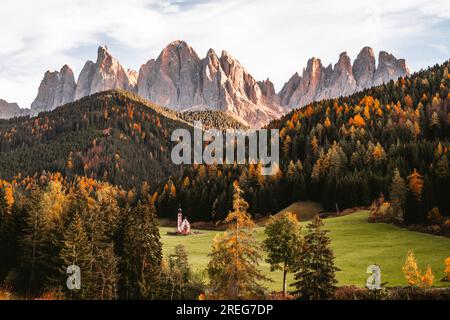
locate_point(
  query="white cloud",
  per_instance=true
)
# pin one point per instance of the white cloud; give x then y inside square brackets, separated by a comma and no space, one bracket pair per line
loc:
[271,38]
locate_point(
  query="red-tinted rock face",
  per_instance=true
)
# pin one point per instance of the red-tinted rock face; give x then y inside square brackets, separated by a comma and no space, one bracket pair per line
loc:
[180,79]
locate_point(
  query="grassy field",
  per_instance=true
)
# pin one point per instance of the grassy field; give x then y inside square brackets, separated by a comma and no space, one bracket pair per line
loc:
[356,244]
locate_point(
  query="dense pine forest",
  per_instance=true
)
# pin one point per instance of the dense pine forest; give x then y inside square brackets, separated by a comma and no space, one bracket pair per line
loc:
[351,148]
[387,143]
[48,222]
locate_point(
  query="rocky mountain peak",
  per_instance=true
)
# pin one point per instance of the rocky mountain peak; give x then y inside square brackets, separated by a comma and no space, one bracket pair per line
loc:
[389,68]
[344,63]
[179,79]
[10,110]
[56,88]
[341,81]
[178,52]
[103,54]
[211,59]
[267,88]
[318,83]
[364,67]
[314,65]
[105,74]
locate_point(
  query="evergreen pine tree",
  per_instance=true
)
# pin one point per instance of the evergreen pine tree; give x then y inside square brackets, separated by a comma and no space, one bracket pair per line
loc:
[142,257]
[182,283]
[36,253]
[76,251]
[103,266]
[7,237]
[315,269]
[397,194]
[443,184]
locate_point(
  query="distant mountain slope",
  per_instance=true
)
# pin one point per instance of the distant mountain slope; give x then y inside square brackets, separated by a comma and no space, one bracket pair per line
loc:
[112,135]
[10,110]
[213,119]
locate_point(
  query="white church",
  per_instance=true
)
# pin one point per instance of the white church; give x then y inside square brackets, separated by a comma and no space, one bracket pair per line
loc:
[183,225]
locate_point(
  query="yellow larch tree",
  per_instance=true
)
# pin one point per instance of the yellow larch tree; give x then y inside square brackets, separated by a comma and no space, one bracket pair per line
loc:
[314,144]
[415,184]
[411,270]
[234,266]
[427,279]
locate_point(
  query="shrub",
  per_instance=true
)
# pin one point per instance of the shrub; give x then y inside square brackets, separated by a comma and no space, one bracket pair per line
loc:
[5,294]
[427,279]
[446,227]
[356,293]
[434,216]
[396,293]
[382,211]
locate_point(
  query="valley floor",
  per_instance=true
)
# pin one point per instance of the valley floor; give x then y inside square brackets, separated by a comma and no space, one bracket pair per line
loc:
[356,244]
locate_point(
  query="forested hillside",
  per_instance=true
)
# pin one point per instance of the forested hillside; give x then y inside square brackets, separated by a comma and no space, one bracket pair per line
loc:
[212,119]
[351,147]
[390,141]
[345,152]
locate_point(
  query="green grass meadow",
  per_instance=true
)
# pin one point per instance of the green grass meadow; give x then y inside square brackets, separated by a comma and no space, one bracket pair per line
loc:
[356,244]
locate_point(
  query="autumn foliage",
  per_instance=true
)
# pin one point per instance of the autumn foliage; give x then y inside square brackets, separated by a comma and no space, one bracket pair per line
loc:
[413,274]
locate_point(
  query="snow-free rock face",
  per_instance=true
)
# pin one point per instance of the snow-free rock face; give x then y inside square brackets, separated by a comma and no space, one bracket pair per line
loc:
[341,81]
[173,79]
[11,110]
[105,74]
[318,83]
[181,80]
[304,89]
[389,68]
[364,68]
[57,88]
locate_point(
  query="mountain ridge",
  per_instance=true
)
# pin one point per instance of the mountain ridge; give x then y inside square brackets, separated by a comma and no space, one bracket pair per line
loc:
[179,79]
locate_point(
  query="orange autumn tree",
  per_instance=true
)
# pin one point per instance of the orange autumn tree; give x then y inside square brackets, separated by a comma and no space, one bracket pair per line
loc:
[358,121]
[411,270]
[234,266]
[415,184]
[427,279]
[413,274]
[314,143]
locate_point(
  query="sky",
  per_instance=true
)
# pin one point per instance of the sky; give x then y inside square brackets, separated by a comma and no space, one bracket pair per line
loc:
[271,38]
